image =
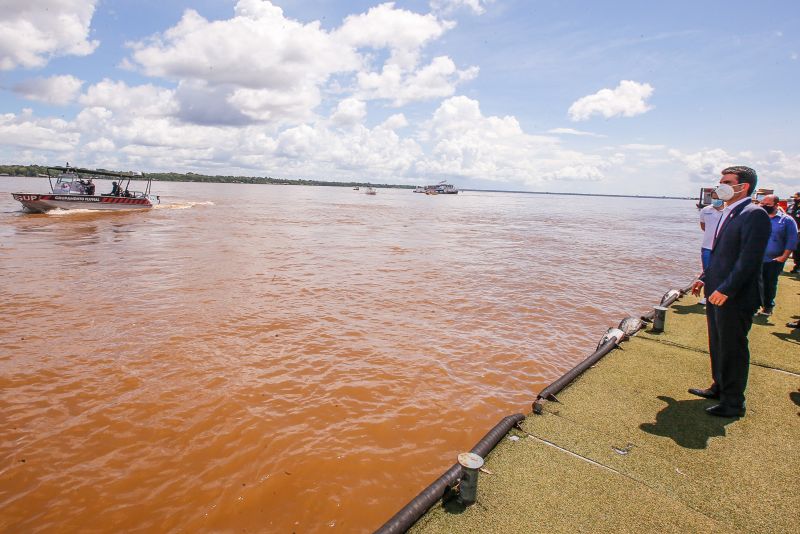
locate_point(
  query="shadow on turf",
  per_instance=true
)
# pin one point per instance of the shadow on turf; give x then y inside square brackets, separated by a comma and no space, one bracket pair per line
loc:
[792,336]
[686,309]
[686,423]
[450,502]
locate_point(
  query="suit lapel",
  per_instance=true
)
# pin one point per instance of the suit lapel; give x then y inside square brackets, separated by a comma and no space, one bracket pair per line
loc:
[728,220]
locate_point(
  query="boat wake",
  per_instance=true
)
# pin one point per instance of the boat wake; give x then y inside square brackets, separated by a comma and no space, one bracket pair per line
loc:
[63,213]
[182,205]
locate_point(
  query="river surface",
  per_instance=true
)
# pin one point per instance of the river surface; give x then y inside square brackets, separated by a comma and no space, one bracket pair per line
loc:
[294,359]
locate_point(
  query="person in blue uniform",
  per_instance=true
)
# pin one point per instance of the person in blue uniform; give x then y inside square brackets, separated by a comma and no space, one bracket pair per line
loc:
[731,287]
[782,242]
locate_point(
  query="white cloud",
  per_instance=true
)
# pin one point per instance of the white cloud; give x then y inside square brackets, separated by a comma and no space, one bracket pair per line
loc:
[436,80]
[403,32]
[141,100]
[773,167]
[264,61]
[31,33]
[345,154]
[704,166]
[222,81]
[47,134]
[572,131]
[106,134]
[350,111]
[395,122]
[643,147]
[465,143]
[778,170]
[57,90]
[101,144]
[448,6]
[628,99]
[275,105]
[258,48]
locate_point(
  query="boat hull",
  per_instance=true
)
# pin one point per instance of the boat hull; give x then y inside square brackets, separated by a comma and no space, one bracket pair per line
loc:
[43,203]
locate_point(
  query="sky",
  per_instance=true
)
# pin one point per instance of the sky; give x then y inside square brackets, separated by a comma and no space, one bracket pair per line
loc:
[618,97]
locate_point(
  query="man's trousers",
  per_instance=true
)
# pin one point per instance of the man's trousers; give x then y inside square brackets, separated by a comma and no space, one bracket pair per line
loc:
[728,327]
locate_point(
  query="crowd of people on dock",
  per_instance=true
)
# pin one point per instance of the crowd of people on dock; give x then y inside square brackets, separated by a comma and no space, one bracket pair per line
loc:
[746,244]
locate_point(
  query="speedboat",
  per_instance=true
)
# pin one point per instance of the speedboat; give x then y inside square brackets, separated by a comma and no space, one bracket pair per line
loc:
[75,189]
[370,191]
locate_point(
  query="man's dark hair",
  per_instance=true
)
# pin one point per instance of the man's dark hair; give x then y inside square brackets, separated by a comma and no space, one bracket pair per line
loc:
[746,175]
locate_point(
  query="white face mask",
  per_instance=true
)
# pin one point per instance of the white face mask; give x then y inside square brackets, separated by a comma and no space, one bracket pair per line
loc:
[726,192]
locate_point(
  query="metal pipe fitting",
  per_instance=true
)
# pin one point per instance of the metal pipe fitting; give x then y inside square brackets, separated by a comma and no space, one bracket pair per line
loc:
[659,318]
[468,487]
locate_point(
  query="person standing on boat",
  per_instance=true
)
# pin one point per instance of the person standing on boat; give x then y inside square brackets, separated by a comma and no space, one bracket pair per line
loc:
[731,286]
[709,217]
[782,242]
[90,187]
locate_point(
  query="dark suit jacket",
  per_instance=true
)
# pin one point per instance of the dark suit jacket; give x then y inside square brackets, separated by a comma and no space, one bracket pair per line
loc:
[735,267]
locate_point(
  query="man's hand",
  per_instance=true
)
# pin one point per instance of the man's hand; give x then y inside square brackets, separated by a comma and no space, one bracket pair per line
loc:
[717,298]
[697,287]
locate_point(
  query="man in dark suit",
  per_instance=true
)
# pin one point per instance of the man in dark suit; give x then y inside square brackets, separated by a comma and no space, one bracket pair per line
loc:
[731,285]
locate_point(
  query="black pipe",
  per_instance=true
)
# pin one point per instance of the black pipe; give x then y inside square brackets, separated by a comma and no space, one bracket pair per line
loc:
[549,393]
[410,513]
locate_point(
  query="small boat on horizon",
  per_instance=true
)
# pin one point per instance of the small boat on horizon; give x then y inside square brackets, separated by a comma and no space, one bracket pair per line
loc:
[442,188]
[75,189]
[370,191]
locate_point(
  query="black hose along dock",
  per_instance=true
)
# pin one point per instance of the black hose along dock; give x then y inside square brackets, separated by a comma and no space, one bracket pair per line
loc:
[624,447]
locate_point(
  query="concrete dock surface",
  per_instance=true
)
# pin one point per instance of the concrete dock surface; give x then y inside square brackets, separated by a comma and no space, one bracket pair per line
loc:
[628,449]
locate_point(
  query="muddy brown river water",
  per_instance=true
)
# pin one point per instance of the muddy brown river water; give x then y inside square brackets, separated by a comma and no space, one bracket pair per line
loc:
[294,359]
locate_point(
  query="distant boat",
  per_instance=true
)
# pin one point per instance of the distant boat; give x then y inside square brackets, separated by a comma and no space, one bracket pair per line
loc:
[370,191]
[355,188]
[442,188]
[705,197]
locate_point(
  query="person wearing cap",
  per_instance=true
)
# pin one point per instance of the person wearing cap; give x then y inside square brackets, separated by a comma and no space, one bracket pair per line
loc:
[731,286]
[782,242]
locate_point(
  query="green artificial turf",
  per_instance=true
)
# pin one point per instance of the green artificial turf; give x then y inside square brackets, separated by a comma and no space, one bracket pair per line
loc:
[628,449]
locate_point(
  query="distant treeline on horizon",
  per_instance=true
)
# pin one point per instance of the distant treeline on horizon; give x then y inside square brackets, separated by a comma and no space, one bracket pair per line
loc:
[38,170]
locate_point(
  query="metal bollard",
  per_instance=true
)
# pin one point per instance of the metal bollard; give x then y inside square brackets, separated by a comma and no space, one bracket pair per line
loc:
[468,487]
[659,318]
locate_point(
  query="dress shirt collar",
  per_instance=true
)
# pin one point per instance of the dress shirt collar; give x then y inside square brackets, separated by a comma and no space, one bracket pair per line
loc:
[730,207]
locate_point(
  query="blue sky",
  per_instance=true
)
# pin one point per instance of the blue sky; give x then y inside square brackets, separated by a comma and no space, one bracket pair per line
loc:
[609,97]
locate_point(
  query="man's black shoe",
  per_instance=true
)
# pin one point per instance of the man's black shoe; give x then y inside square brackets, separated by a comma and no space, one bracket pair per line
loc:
[721,410]
[705,393]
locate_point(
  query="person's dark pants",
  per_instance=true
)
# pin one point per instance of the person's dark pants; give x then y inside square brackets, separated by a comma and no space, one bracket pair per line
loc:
[728,327]
[770,272]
